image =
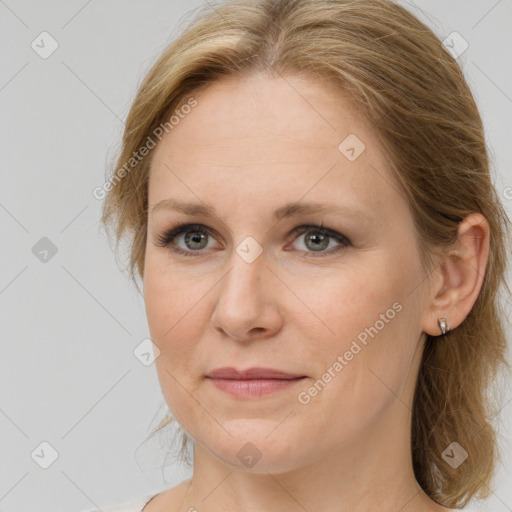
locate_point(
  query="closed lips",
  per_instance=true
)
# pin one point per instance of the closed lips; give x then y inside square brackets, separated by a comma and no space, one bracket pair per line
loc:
[251,373]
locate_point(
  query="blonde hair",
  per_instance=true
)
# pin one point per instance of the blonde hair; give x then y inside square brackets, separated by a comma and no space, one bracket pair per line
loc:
[414,93]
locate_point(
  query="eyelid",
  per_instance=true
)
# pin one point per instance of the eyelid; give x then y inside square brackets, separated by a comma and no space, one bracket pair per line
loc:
[320,228]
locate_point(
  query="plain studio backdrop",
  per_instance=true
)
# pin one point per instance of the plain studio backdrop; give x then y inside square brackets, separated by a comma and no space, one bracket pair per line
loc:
[76,397]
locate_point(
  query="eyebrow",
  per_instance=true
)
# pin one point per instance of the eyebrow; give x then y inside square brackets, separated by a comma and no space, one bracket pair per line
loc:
[287,211]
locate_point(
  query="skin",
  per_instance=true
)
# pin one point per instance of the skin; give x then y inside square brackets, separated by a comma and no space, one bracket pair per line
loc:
[249,147]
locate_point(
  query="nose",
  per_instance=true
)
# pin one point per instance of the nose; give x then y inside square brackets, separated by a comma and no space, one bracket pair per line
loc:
[247,305]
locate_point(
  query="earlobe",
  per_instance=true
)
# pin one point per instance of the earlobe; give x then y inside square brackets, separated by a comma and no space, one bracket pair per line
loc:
[462,270]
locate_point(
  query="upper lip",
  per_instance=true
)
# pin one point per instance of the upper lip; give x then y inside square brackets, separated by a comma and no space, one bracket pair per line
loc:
[250,373]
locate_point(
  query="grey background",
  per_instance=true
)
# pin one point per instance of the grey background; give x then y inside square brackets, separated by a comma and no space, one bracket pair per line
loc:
[69,326]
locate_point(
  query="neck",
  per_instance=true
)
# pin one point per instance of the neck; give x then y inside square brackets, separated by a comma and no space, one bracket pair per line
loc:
[372,472]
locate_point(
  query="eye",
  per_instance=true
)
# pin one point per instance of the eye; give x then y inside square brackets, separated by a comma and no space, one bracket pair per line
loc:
[196,238]
[319,238]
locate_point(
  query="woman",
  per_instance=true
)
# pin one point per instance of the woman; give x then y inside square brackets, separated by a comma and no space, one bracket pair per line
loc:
[305,187]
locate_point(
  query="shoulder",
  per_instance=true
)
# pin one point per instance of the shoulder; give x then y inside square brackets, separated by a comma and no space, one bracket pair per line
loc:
[134,505]
[169,499]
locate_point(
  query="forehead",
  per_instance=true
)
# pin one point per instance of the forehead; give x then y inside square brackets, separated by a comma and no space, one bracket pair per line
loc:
[274,138]
[295,110]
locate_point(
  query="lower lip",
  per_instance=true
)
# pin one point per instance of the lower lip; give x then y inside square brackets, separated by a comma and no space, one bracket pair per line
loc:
[253,388]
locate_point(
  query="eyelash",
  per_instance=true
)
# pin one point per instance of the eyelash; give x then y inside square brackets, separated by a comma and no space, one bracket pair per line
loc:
[166,238]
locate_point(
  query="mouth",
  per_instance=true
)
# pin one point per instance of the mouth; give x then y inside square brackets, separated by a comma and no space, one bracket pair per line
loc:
[253,382]
[251,373]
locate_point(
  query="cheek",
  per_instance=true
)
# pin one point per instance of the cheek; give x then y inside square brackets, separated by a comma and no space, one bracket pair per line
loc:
[160,303]
[341,305]
[172,316]
[178,310]
[169,303]
[368,316]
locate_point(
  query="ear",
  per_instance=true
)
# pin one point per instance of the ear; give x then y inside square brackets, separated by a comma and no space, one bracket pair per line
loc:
[460,275]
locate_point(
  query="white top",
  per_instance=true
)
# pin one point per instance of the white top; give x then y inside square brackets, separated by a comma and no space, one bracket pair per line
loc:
[128,506]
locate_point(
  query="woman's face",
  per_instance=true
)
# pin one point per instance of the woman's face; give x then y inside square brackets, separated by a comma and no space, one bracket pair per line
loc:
[257,287]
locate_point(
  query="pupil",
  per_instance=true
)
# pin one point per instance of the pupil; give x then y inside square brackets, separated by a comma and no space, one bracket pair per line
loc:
[194,237]
[319,241]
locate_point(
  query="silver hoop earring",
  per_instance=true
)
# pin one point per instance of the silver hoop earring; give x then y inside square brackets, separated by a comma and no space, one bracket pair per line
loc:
[443,325]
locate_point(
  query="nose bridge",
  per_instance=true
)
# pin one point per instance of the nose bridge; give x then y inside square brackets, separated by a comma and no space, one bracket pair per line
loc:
[242,285]
[244,299]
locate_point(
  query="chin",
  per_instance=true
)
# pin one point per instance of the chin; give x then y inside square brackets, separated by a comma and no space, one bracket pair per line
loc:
[257,445]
